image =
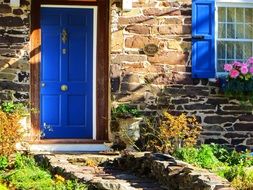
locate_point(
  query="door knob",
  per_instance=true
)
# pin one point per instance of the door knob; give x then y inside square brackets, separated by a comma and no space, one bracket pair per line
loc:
[64,87]
[43,84]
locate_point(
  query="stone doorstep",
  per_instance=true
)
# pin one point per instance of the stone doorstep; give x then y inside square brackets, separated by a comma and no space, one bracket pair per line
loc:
[134,176]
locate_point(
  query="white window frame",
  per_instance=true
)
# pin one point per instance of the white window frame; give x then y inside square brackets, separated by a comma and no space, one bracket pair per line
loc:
[227,3]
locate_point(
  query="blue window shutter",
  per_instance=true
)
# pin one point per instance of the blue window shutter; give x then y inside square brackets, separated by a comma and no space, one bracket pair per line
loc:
[203,39]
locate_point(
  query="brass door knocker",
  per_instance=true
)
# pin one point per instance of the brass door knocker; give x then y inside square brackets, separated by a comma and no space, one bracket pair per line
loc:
[64,36]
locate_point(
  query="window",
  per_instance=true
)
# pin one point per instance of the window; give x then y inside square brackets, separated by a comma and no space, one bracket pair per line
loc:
[235,34]
[222,32]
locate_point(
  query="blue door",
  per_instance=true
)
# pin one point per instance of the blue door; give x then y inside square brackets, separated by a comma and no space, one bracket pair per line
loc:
[66,73]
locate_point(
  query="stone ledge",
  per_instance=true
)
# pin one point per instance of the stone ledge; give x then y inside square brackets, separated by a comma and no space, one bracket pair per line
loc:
[171,173]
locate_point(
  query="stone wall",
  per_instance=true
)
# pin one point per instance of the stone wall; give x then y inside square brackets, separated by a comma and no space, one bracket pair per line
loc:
[131,171]
[150,83]
[14,51]
[163,81]
[171,173]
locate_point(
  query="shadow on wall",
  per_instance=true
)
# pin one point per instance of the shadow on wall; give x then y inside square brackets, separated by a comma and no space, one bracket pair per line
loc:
[164,81]
[137,78]
[14,52]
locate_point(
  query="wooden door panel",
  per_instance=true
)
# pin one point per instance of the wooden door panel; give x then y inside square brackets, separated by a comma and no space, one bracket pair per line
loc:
[66,72]
[51,60]
[51,110]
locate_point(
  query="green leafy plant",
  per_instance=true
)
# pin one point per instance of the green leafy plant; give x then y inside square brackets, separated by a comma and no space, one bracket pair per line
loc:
[124,111]
[26,174]
[221,152]
[10,107]
[206,157]
[187,154]
[203,157]
[231,157]
[23,161]
[4,163]
[236,167]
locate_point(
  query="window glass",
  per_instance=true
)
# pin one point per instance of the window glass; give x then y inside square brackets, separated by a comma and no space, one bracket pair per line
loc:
[240,30]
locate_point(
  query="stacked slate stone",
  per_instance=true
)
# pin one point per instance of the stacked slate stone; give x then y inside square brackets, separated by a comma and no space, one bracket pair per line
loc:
[14,51]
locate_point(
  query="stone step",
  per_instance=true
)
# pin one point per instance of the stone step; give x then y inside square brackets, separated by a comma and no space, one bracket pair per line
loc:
[130,180]
[99,177]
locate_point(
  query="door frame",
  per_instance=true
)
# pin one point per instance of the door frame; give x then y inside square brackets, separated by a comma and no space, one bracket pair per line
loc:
[100,73]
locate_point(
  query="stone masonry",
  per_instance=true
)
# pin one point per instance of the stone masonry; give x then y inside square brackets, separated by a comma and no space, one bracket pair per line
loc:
[14,51]
[150,83]
[163,81]
[137,171]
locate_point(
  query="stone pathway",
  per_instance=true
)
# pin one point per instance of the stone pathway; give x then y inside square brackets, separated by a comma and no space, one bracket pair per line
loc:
[92,169]
[132,171]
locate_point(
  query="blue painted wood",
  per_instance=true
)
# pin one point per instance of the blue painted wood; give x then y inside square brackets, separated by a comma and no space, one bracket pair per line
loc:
[203,39]
[66,114]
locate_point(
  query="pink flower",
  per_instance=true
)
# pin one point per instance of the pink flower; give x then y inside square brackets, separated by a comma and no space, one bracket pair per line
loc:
[237,64]
[234,73]
[244,65]
[250,60]
[228,67]
[251,70]
[244,70]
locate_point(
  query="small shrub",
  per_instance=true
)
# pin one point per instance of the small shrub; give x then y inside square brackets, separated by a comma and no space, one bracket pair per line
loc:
[231,172]
[206,158]
[236,167]
[202,157]
[220,152]
[22,161]
[73,184]
[30,178]
[171,132]
[10,128]
[26,174]
[244,182]
[187,154]
[10,132]
[231,157]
